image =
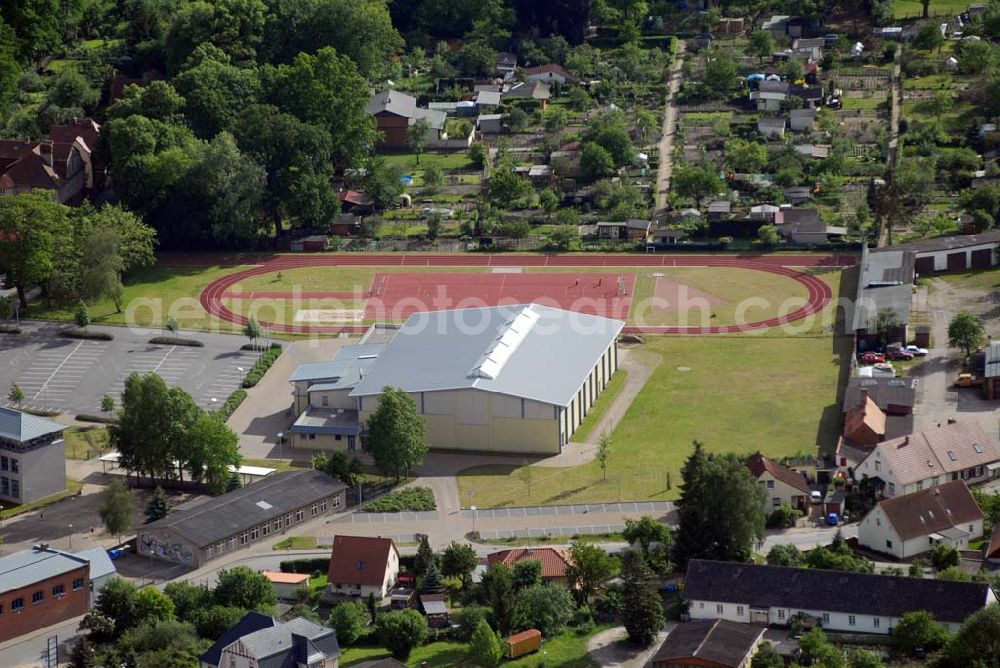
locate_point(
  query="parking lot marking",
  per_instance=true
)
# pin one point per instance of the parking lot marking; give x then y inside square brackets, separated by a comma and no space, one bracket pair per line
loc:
[57,369]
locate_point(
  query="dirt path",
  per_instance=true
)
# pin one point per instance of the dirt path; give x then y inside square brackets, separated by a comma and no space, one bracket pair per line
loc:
[666,160]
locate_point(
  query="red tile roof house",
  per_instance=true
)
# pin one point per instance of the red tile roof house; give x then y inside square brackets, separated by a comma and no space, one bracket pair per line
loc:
[363,565]
[554,561]
[549,73]
[62,164]
[864,423]
[783,485]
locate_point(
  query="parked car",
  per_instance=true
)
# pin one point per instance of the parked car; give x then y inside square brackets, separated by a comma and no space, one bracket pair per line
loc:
[872,358]
[967,380]
[816,496]
[899,355]
[916,350]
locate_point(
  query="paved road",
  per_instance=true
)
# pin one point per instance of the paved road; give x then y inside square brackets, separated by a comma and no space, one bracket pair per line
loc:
[72,375]
[666,160]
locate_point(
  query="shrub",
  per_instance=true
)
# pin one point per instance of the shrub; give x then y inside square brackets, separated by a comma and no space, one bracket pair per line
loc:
[321,564]
[783,516]
[411,498]
[467,619]
[176,341]
[261,366]
[79,333]
[101,419]
[232,403]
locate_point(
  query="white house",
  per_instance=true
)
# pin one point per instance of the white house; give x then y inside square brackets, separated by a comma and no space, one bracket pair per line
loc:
[837,601]
[363,565]
[783,485]
[958,451]
[908,525]
[549,73]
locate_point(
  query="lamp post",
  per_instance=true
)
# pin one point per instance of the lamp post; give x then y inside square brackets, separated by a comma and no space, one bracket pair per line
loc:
[71,537]
[475,514]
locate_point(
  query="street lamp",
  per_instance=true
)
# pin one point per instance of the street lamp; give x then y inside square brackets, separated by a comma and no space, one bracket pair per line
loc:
[71,537]
[475,514]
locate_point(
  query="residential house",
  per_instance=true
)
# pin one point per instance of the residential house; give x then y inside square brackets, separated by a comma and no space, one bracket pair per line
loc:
[912,524]
[32,457]
[554,561]
[549,73]
[203,529]
[770,127]
[957,451]
[836,600]
[895,396]
[628,230]
[783,485]
[41,587]
[529,90]
[62,164]
[259,640]
[801,120]
[395,112]
[363,565]
[718,643]
[719,209]
[506,65]
[864,423]
[286,585]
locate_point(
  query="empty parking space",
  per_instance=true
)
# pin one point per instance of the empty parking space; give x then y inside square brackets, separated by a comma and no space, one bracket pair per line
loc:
[54,375]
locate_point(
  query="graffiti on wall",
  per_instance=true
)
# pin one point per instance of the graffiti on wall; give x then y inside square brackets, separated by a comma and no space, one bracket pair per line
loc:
[162,549]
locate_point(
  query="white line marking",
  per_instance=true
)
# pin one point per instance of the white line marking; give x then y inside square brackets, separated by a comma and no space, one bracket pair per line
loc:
[56,370]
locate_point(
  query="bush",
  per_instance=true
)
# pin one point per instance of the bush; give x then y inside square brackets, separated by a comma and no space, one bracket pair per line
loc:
[945,556]
[467,619]
[261,366]
[41,412]
[783,516]
[79,333]
[100,419]
[232,403]
[321,564]
[411,498]
[176,341]
[258,347]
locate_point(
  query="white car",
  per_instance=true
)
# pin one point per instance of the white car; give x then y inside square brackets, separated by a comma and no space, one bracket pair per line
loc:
[916,351]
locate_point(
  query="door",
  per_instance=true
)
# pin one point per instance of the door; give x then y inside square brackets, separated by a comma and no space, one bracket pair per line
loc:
[981,259]
[924,266]
[956,261]
[758,616]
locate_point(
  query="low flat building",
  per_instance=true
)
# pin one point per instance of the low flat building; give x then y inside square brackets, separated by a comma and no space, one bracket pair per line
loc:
[43,586]
[716,643]
[32,457]
[958,451]
[956,252]
[836,600]
[885,283]
[264,642]
[363,565]
[206,528]
[286,585]
[910,525]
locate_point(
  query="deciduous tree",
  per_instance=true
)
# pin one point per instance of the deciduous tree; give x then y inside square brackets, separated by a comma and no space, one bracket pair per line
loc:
[350,620]
[590,568]
[965,331]
[459,560]
[544,607]
[117,509]
[400,631]
[243,587]
[397,440]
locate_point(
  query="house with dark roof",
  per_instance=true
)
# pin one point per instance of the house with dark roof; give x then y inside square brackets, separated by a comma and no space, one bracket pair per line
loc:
[62,164]
[626,230]
[363,565]
[864,423]
[835,600]
[554,561]
[264,642]
[895,396]
[960,450]
[32,457]
[770,127]
[783,485]
[716,643]
[196,532]
[912,524]
[529,90]
[395,112]
[44,586]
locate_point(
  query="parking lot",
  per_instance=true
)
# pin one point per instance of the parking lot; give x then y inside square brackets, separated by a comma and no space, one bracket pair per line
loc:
[72,375]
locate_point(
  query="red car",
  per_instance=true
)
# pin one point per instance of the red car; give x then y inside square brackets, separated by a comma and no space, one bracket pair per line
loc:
[872,358]
[899,355]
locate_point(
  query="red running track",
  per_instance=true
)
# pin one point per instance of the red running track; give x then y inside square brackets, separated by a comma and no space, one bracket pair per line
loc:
[819,293]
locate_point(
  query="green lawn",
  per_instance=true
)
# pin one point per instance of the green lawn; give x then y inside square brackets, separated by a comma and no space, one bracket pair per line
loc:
[566,650]
[446,161]
[741,394]
[914,9]
[279,464]
[296,543]
[600,406]
[84,441]
[864,103]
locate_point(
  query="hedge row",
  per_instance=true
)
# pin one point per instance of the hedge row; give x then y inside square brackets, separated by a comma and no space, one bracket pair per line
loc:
[41,412]
[10,329]
[177,341]
[306,565]
[101,419]
[258,347]
[261,366]
[232,403]
[79,333]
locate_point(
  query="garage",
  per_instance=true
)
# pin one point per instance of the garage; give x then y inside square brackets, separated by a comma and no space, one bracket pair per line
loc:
[956,261]
[924,265]
[982,259]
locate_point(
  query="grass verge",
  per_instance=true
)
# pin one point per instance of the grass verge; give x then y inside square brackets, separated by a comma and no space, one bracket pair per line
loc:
[411,498]
[296,543]
[83,442]
[600,407]
[73,488]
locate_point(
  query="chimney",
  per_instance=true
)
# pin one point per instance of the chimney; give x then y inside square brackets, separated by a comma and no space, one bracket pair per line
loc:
[906,440]
[45,151]
[864,397]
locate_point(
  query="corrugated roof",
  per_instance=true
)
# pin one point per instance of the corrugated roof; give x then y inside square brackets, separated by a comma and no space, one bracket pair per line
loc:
[931,510]
[214,519]
[719,641]
[886,282]
[831,591]
[954,242]
[439,350]
[23,427]
[343,370]
[25,568]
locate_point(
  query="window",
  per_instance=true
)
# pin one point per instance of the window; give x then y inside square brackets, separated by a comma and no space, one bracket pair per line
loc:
[288,520]
[314,510]
[255,533]
[14,466]
[892,489]
[888,544]
[16,604]
[37,597]
[323,505]
[878,521]
[739,610]
[336,437]
[312,437]
[952,456]
[325,400]
[826,617]
[78,584]
[265,529]
[701,604]
[209,552]
[15,488]
[776,501]
[972,529]
[781,614]
[770,484]
[350,444]
[876,622]
[920,484]
[59,590]
[3,463]
[300,515]
[5,486]
[878,465]
[718,608]
[277,524]
[232,543]
[221,547]
[978,448]
[335,502]
[243,538]
[850,620]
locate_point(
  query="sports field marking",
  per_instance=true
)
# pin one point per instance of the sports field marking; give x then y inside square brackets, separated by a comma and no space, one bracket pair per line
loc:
[319,315]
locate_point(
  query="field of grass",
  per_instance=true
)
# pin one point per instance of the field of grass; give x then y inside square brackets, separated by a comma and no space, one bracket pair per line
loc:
[910,9]
[296,543]
[446,161]
[600,406]
[84,441]
[735,394]
[279,464]
[864,103]
[566,650]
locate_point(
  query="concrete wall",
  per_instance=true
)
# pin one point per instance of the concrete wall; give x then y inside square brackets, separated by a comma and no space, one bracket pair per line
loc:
[41,472]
